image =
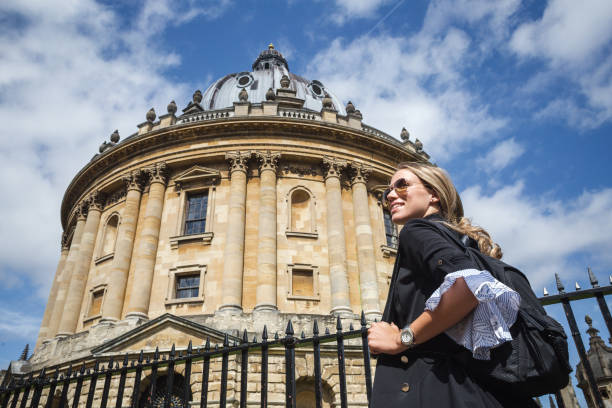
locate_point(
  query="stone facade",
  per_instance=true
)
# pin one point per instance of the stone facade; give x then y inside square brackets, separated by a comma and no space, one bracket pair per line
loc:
[262,211]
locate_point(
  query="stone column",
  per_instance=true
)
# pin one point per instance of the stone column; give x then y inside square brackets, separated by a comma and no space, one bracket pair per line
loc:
[231,300]
[115,293]
[365,243]
[146,252]
[76,289]
[335,237]
[66,274]
[266,246]
[44,333]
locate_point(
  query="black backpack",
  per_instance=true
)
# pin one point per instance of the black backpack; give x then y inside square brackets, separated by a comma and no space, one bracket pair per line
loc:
[536,361]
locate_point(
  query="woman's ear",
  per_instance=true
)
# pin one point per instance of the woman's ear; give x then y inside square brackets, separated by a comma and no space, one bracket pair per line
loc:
[434,198]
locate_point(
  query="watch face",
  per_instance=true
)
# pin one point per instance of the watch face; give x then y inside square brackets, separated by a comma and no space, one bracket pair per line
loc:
[406,337]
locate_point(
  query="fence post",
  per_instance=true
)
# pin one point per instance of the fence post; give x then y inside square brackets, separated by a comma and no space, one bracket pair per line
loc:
[316,345]
[341,368]
[289,341]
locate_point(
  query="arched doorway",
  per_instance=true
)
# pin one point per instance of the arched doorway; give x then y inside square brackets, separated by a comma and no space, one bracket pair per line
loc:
[305,393]
[159,392]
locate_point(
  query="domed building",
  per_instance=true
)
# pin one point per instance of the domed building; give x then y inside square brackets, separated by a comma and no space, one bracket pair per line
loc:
[258,203]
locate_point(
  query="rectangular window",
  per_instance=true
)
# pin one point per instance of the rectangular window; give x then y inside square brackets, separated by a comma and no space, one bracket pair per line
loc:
[390,230]
[96,303]
[302,284]
[195,219]
[187,286]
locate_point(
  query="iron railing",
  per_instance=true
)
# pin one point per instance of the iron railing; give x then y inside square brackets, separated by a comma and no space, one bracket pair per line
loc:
[29,392]
[18,391]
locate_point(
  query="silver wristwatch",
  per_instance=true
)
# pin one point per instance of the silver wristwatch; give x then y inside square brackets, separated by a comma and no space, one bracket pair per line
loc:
[407,337]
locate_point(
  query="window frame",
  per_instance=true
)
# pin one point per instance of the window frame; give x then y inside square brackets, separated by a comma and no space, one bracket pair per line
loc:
[92,292]
[316,295]
[313,233]
[185,270]
[196,180]
[102,256]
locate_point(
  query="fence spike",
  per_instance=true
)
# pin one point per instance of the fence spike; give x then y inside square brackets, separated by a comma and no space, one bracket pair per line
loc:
[56,374]
[264,335]
[189,347]
[338,324]
[327,331]
[172,350]
[207,345]
[180,354]
[351,328]
[362,319]
[225,340]
[156,354]
[289,331]
[216,347]
[125,360]
[254,338]
[140,356]
[560,286]
[96,366]
[303,335]
[245,338]
[315,328]
[276,337]
[545,292]
[577,286]
[592,278]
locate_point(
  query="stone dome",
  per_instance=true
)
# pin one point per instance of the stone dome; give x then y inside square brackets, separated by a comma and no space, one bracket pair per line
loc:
[266,73]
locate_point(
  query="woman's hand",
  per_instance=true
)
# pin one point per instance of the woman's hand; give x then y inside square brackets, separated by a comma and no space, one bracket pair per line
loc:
[385,338]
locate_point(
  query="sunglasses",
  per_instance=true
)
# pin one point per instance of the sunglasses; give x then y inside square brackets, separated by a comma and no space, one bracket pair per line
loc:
[400,186]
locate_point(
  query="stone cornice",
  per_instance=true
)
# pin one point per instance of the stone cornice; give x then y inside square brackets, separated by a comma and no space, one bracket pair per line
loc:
[264,127]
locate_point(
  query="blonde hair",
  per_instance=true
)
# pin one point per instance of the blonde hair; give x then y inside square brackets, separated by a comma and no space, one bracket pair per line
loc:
[451,208]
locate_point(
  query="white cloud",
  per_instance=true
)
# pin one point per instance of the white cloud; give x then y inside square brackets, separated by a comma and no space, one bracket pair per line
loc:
[568,31]
[414,82]
[574,39]
[541,235]
[17,325]
[352,9]
[70,74]
[501,155]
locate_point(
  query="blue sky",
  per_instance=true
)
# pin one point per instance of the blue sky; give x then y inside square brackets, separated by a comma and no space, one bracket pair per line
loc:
[513,98]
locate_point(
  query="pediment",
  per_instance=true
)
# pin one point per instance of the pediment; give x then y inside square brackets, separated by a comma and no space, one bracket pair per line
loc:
[197,174]
[163,332]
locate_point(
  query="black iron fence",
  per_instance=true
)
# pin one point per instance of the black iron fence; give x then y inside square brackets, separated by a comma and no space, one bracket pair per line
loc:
[105,381]
[29,392]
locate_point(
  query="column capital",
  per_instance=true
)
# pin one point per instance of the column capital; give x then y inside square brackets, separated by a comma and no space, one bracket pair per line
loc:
[65,236]
[332,167]
[238,161]
[359,173]
[81,211]
[158,173]
[133,180]
[95,201]
[267,160]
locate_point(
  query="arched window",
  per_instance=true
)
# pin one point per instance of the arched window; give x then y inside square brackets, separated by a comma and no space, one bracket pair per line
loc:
[180,390]
[110,235]
[300,211]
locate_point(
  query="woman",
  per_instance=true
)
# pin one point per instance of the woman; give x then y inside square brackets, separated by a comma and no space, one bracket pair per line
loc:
[428,324]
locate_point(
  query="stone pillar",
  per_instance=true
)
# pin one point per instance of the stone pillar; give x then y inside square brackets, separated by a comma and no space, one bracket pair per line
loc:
[66,274]
[76,289]
[146,252]
[365,243]
[44,332]
[335,237]
[266,246]
[115,293]
[231,300]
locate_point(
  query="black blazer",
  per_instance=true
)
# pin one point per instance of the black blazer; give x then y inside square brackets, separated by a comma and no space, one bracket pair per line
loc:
[427,375]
